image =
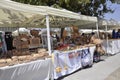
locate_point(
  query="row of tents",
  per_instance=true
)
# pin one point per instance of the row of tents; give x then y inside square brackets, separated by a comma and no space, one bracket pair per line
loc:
[14,14]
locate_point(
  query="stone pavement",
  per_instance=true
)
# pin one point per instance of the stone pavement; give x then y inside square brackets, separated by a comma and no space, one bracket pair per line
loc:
[104,70]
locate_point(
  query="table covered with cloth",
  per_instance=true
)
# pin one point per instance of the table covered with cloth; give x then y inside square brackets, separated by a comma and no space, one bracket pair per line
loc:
[34,70]
[70,61]
[112,46]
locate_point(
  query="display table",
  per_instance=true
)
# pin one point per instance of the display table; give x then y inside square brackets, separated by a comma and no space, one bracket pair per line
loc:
[70,61]
[35,70]
[112,46]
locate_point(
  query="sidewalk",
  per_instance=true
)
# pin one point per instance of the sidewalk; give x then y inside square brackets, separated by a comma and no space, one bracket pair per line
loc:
[99,71]
[114,76]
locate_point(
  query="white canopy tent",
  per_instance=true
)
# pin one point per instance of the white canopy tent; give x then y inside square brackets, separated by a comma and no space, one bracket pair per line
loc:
[118,1]
[61,15]
[110,24]
[40,13]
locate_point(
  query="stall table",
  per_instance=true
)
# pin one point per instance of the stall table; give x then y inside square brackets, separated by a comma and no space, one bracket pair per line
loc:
[112,46]
[66,62]
[34,70]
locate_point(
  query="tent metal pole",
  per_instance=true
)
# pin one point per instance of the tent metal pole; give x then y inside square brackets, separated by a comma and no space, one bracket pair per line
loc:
[106,38]
[97,29]
[48,34]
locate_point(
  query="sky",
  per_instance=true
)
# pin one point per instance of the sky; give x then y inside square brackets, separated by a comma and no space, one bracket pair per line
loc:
[116,14]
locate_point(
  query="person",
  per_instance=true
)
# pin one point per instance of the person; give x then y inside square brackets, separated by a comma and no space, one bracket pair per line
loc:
[113,34]
[57,37]
[94,39]
[97,53]
[118,33]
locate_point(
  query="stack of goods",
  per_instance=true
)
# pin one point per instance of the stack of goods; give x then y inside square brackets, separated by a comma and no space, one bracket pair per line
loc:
[42,52]
[62,47]
[17,57]
[34,42]
[89,45]
[34,33]
[95,40]
[109,36]
[63,35]
[75,32]
[102,35]
[105,35]
[74,41]
[75,29]
[21,42]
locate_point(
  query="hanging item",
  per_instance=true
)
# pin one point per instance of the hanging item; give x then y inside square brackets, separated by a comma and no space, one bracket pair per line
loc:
[65,66]
[34,42]
[86,58]
[0,40]
[58,68]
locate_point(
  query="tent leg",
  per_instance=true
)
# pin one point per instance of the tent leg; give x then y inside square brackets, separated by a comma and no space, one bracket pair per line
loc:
[48,34]
[106,39]
[97,30]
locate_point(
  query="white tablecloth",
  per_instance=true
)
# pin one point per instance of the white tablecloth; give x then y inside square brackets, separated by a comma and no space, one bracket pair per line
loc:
[112,47]
[35,70]
[62,60]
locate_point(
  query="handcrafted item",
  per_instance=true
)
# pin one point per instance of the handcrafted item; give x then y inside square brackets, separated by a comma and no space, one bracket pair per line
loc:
[22,58]
[21,42]
[75,29]
[34,42]
[34,33]
[65,66]
[2,62]
[100,50]
[58,68]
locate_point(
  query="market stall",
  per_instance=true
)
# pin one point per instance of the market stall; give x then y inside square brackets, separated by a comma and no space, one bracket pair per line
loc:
[112,46]
[66,62]
[43,14]
[50,17]
[111,39]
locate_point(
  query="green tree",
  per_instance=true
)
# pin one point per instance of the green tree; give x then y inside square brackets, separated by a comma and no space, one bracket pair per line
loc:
[86,7]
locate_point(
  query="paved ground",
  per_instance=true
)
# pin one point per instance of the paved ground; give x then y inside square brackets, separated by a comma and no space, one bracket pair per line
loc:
[109,69]
[114,76]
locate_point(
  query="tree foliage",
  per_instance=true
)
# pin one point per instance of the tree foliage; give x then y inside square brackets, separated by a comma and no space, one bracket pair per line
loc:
[86,7]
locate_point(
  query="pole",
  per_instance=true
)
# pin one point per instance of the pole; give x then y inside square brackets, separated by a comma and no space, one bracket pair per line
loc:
[106,38]
[48,34]
[97,29]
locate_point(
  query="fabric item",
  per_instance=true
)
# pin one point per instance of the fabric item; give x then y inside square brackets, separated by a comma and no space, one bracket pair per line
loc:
[34,42]
[96,57]
[35,70]
[85,57]
[3,43]
[0,40]
[70,61]
[114,36]
[9,41]
[117,34]
[112,46]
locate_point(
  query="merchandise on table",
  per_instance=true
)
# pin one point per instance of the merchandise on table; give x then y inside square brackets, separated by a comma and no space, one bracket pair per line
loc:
[17,56]
[34,42]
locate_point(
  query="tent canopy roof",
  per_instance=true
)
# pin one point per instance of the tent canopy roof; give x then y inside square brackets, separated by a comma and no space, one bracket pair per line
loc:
[111,24]
[15,13]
